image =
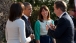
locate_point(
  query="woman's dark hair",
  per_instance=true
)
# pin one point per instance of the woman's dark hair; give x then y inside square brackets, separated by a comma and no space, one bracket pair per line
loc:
[40,15]
[16,10]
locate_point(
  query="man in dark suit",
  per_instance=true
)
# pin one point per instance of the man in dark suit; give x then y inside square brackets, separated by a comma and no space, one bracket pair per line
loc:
[56,21]
[64,31]
[26,13]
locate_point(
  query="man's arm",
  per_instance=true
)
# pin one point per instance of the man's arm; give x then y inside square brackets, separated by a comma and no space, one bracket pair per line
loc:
[60,29]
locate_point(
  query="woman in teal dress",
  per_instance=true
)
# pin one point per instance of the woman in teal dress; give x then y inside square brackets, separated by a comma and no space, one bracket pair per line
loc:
[41,25]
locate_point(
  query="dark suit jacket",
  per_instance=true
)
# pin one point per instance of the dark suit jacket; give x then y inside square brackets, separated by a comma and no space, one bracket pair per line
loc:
[64,32]
[55,22]
[27,27]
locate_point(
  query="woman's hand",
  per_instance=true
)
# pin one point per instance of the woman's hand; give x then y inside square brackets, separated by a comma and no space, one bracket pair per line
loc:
[47,27]
[32,36]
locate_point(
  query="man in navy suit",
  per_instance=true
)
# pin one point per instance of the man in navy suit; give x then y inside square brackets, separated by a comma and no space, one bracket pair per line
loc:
[26,13]
[64,31]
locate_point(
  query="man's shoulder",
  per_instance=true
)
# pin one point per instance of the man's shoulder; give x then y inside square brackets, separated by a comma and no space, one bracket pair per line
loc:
[66,16]
[23,18]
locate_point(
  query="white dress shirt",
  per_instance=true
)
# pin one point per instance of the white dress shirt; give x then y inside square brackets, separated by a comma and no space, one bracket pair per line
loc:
[25,17]
[62,14]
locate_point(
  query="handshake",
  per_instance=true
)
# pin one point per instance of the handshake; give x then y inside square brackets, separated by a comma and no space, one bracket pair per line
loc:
[32,36]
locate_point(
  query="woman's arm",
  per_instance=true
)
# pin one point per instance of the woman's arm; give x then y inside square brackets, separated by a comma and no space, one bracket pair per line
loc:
[22,33]
[37,31]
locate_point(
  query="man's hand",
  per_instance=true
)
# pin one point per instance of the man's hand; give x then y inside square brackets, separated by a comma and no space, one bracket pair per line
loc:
[32,36]
[52,27]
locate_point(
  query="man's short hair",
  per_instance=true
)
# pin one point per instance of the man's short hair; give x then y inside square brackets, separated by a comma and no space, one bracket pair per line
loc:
[62,5]
[26,4]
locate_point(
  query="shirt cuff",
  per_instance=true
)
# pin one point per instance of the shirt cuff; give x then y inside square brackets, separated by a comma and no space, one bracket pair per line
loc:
[28,39]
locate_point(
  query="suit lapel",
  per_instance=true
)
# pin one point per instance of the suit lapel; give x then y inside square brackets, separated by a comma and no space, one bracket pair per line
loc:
[26,21]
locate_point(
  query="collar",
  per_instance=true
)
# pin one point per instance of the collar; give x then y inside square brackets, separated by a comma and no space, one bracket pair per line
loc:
[25,16]
[71,16]
[61,14]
